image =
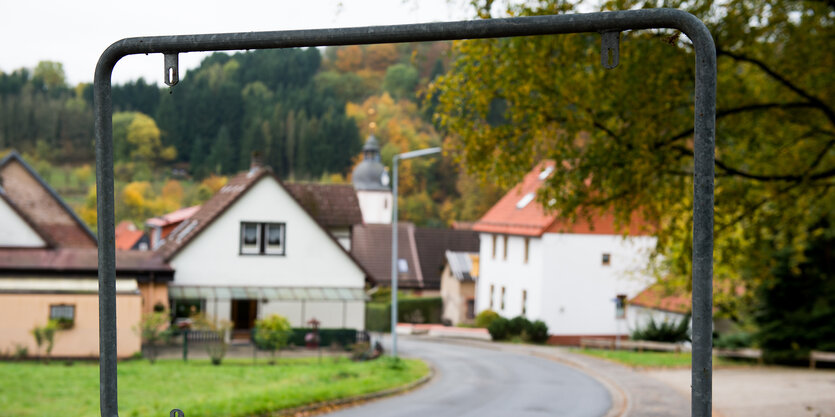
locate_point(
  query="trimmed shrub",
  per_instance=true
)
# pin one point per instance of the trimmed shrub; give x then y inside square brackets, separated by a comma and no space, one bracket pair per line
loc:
[499,329]
[537,332]
[517,325]
[484,318]
[327,337]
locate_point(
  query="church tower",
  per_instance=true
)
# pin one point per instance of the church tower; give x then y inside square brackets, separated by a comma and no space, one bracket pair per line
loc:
[371,182]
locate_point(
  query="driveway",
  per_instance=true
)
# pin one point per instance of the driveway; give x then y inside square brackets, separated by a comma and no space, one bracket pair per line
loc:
[470,381]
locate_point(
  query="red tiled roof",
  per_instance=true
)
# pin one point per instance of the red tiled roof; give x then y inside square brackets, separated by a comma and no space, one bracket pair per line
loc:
[660,298]
[77,261]
[509,216]
[518,213]
[330,204]
[173,217]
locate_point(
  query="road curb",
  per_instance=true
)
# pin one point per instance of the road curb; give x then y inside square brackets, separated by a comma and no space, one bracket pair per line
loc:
[332,405]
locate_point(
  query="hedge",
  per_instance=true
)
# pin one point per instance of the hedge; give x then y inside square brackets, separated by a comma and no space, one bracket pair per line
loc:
[343,337]
[409,310]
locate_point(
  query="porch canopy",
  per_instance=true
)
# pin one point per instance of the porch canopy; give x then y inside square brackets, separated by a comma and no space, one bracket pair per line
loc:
[266,293]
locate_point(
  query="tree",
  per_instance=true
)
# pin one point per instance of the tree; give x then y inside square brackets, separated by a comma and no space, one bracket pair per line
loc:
[401,81]
[624,137]
[51,74]
[795,308]
[144,137]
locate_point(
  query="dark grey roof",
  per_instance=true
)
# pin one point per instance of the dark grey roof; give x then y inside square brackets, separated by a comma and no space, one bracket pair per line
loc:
[371,246]
[422,248]
[368,175]
[432,243]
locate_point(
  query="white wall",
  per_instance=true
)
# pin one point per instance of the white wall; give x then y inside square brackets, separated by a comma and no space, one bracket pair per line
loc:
[14,231]
[312,258]
[512,273]
[375,206]
[579,291]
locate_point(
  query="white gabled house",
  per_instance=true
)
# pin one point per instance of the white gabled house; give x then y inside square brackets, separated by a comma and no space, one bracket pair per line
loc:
[576,278]
[253,250]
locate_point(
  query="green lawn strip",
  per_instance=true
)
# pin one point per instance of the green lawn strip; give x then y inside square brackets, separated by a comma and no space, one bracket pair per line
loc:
[236,388]
[652,359]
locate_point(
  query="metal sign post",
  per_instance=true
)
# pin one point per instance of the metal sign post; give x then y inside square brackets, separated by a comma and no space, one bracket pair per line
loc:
[609,24]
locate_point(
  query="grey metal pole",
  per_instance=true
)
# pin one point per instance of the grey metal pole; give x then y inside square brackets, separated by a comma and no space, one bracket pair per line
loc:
[394,258]
[602,22]
[395,161]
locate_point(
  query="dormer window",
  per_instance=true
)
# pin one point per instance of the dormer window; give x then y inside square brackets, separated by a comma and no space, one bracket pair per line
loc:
[262,238]
[525,200]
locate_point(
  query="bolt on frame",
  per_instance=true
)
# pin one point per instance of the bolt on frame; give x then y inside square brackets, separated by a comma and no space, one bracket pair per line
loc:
[609,24]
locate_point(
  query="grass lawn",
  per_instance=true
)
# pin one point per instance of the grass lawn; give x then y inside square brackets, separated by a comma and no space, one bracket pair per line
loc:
[652,359]
[236,388]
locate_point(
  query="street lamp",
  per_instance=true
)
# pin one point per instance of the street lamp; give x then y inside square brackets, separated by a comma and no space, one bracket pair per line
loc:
[398,157]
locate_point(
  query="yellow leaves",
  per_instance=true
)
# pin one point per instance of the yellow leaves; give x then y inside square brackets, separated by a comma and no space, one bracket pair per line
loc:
[214,182]
[133,195]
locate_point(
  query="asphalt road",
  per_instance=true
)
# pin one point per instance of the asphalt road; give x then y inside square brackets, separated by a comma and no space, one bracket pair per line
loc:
[472,382]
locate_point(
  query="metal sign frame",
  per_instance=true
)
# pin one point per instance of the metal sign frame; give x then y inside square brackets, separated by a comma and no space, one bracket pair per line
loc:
[605,23]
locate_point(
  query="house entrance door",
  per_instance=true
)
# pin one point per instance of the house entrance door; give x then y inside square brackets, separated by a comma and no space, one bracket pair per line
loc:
[244,313]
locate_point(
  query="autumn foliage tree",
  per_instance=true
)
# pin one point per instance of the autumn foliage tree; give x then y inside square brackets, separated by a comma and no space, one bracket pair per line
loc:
[624,137]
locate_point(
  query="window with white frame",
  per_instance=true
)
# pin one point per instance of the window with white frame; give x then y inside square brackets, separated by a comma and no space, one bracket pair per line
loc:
[262,238]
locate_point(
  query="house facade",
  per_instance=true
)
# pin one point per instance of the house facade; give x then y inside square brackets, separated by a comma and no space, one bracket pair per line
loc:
[48,271]
[253,250]
[458,287]
[574,277]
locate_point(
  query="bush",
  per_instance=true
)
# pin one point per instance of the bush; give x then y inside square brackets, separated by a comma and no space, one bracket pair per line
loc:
[484,318]
[272,334]
[45,336]
[499,329]
[739,340]
[517,325]
[537,332]
[153,328]
[215,348]
[668,331]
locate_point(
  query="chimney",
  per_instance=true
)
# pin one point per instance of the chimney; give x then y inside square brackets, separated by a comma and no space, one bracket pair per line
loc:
[256,161]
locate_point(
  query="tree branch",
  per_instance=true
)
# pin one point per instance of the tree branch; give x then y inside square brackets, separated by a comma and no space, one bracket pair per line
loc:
[735,110]
[818,103]
[760,177]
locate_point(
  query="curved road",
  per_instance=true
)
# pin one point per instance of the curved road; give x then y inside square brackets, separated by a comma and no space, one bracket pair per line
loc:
[472,382]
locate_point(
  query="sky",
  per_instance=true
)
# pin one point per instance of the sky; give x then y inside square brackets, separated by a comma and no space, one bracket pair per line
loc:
[75,33]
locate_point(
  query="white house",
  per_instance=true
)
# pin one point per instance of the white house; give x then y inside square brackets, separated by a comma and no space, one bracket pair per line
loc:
[576,278]
[253,250]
